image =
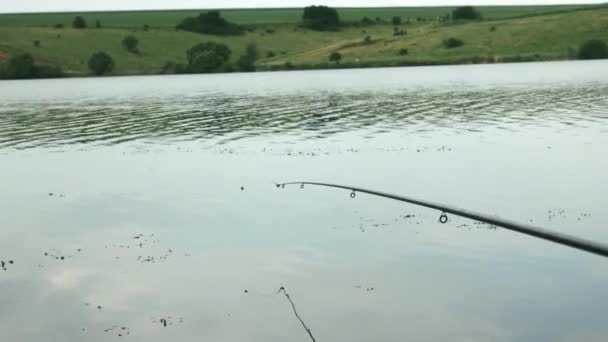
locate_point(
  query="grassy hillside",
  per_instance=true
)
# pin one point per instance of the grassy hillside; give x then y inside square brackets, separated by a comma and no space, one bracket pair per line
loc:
[536,37]
[261,16]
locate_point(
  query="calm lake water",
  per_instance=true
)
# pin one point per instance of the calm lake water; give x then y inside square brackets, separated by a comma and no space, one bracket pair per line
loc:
[121,205]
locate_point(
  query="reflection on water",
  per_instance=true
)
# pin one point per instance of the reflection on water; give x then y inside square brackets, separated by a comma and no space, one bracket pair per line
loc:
[143,208]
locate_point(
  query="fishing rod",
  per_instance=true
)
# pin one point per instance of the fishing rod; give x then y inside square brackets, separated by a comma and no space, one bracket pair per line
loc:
[541,233]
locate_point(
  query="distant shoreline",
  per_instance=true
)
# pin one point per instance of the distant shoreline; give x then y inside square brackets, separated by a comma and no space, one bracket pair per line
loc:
[507,34]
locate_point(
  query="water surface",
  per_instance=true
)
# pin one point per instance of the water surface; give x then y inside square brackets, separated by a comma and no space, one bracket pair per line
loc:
[136,183]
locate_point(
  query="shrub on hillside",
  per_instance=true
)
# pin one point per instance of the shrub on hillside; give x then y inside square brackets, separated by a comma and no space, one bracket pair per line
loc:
[335,57]
[58,26]
[207,57]
[101,63]
[403,52]
[399,32]
[321,18]
[452,43]
[367,21]
[98,24]
[146,27]
[130,43]
[22,66]
[593,49]
[466,13]
[246,62]
[48,71]
[36,43]
[171,67]
[79,23]
[396,20]
[210,23]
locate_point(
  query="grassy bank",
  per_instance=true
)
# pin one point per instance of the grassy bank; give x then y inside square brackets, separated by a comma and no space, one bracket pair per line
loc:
[529,36]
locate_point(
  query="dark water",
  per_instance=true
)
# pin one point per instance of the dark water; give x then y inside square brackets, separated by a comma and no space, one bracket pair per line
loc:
[121,205]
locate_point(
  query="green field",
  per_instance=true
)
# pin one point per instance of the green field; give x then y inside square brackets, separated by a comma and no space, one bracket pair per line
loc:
[527,36]
[262,16]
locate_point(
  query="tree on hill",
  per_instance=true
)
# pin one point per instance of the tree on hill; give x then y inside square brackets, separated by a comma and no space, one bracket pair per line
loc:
[210,23]
[593,49]
[101,63]
[79,23]
[130,43]
[321,18]
[396,20]
[466,13]
[207,57]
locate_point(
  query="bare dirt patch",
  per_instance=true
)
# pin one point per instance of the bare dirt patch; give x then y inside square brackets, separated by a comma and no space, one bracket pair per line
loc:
[3,56]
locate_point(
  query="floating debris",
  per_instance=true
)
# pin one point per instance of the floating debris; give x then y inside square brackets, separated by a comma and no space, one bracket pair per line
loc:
[168,321]
[4,264]
[121,330]
[57,255]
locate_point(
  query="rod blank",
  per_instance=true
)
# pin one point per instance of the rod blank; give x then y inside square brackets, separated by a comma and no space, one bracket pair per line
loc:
[541,233]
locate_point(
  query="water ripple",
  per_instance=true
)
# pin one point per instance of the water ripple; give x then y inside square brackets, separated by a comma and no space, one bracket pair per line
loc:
[224,118]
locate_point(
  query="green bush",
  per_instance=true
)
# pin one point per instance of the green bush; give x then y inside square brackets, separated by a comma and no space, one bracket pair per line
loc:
[171,67]
[207,57]
[36,43]
[210,23]
[593,49]
[58,26]
[403,52]
[79,23]
[335,57]
[246,62]
[321,18]
[48,71]
[146,27]
[98,24]
[399,32]
[101,63]
[466,13]
[396,20]
[20,66]
[452,43]
[130,43]
[367,21]
[270,54]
